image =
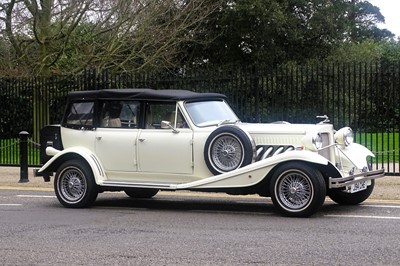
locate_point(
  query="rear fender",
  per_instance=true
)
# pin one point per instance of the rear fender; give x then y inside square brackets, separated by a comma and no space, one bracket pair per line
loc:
[73,153]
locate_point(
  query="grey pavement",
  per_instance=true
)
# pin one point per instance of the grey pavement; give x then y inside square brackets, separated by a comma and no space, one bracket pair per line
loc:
[386,188]
[10,177]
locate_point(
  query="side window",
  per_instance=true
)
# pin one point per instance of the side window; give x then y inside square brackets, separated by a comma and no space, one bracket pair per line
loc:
[80,115]
[119,114]
[157,112]
[130,114]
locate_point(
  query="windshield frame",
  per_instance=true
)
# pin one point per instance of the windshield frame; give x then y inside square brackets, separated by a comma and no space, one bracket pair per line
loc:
[210,113]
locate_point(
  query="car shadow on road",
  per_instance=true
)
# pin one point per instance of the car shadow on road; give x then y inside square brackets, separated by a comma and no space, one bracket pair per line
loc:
[228,204]
[174,203]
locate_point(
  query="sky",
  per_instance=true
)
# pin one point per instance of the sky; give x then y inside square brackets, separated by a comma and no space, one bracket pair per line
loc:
[390,10]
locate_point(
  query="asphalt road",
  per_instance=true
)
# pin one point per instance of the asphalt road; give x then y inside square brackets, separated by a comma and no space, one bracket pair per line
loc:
[192,229]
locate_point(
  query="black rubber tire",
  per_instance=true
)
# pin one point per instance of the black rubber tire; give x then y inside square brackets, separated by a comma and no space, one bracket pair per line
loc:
[141,193]
[297,189]
[74,185]
[343,198]
[238,149]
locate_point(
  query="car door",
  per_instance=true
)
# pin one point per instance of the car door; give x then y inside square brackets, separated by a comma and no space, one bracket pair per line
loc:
[117,134]
[165,149]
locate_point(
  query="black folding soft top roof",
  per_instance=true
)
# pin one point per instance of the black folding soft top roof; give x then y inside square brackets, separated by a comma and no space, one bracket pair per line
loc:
[143,94]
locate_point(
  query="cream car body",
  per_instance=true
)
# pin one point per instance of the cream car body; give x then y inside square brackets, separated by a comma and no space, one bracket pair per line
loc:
[190,150]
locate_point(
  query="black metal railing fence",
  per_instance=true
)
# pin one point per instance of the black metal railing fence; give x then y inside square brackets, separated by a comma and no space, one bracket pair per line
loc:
[364,96]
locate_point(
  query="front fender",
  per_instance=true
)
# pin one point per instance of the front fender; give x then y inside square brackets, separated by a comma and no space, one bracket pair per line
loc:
[254,173]
[357,154]
[306,156]
[74,153]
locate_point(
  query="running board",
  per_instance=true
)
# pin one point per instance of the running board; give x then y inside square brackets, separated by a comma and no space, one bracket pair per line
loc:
[169,186]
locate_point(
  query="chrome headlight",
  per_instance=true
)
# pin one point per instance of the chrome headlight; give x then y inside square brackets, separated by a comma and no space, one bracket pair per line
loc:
[313,141]
[344,136]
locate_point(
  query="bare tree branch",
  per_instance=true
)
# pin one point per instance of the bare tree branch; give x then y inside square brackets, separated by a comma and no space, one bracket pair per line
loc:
[69,35]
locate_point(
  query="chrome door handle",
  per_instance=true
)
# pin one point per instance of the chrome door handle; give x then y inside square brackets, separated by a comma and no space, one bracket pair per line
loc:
[141,140]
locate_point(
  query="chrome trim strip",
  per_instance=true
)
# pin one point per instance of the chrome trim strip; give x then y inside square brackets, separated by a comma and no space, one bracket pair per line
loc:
[99,169]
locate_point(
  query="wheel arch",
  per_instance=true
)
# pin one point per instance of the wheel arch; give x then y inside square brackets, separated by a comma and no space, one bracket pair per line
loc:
[327,171]
[81,154]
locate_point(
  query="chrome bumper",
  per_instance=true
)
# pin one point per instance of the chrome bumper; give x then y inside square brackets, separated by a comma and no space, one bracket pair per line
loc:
[350,180]
[46,176]
[36,172]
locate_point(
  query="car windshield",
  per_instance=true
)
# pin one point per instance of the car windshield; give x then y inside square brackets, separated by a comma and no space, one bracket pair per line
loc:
[209,113]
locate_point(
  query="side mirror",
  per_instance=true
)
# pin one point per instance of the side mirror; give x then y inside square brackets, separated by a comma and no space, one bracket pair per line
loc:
[167,125]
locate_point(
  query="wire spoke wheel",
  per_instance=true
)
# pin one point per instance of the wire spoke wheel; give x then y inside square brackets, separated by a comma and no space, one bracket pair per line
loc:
[228,148]
[295,190]
[227,153]
[72,184]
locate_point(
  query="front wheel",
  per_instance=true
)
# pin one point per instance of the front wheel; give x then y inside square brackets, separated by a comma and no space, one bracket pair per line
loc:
[297,189]
[74,185]
[344,198]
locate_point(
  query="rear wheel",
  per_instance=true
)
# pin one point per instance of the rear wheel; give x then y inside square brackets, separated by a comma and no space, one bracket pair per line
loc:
[141,193]
[74,185]
[344,198]
[297,189]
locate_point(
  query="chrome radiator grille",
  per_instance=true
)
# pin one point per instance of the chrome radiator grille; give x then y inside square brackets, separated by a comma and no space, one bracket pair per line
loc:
[266,151]
[325,142]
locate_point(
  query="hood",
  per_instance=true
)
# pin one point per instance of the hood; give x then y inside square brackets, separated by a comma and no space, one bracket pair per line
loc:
[283,133]
[284,128]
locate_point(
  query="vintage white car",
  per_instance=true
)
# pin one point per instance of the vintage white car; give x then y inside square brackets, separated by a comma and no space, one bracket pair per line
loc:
[141,141]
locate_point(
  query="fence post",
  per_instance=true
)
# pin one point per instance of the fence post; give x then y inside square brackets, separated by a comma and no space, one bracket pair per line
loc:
[23,153]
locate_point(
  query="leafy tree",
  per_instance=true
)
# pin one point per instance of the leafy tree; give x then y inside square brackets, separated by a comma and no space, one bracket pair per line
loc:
[362,19]
[366,51]
[391,50]
[271,32]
